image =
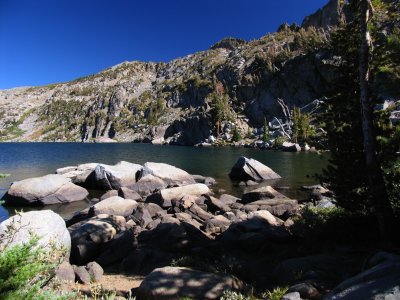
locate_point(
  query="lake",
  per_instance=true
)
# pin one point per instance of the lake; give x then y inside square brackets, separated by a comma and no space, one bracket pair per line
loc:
[25,160]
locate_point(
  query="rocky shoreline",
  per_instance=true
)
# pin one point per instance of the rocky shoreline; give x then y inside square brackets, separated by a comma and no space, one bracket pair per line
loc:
[166,225]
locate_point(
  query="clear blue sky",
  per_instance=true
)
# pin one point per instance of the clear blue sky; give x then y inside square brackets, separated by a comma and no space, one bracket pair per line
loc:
[47,41]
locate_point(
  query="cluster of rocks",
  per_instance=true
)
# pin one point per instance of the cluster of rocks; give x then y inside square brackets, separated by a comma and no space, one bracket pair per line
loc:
[151,217]
[90,273]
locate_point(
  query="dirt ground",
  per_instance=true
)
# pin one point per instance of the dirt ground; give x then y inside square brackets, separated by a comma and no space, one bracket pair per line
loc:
[109,283]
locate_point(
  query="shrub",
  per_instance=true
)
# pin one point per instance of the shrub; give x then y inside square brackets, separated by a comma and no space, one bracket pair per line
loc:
[280,140]
[236,135]
[276,293]
[24,271]
[266,135]
[334,225]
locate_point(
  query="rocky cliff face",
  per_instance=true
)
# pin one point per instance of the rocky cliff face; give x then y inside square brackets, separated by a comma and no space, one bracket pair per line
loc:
[327,16]
[179,101]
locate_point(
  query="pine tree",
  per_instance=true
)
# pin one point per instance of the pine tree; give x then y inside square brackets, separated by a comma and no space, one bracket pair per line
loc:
[236,135]
[301,125]
[355,172]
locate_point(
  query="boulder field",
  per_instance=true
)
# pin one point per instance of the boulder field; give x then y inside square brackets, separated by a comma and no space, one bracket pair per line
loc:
[168,226]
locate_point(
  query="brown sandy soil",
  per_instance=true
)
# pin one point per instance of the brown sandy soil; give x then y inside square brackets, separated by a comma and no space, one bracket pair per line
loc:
[110,282]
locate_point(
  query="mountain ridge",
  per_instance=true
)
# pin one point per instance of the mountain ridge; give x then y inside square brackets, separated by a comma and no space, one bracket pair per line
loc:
[178,101]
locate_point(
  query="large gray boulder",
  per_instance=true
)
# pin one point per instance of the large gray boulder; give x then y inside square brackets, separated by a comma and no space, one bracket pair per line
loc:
[322,267]
[169,174]
[148,184]
[78,174]
[48,226]
[379,282]
[116,206]
[177,193]
[177,283]
[266,193]
[99,229]
[119,248]
[45,190]
[108,177]
[251,169]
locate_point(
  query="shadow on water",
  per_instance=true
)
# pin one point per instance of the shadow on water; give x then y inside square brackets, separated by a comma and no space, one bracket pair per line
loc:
[25,160]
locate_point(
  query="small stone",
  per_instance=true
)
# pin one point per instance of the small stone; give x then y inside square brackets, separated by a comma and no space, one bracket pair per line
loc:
[291,296]
[65,272]
[95,271]
[82,275]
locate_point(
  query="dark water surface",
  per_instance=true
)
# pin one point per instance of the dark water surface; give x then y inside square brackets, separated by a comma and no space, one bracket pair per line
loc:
[25,160]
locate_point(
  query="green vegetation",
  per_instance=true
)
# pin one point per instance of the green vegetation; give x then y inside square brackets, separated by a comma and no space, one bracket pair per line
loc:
[155,111]
[84,91]
[220,106]
[194,82]
[4,175]
[236,135]
[146,96]
[273,50]
[24,270]
[301,125]
[12,129]
[280,140]
[276,293]
[313,218]
[62,119]
[343,119]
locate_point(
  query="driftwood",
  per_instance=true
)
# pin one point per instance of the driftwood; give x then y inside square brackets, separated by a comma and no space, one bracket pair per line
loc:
[285,110]
[282,127]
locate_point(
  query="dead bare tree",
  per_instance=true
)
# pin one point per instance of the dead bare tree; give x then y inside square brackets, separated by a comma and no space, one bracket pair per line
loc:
[376,182]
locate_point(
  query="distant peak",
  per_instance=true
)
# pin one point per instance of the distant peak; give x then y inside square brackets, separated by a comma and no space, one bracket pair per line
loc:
[229,43]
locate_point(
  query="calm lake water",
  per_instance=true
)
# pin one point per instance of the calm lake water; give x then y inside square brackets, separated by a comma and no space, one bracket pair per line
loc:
[25,160]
